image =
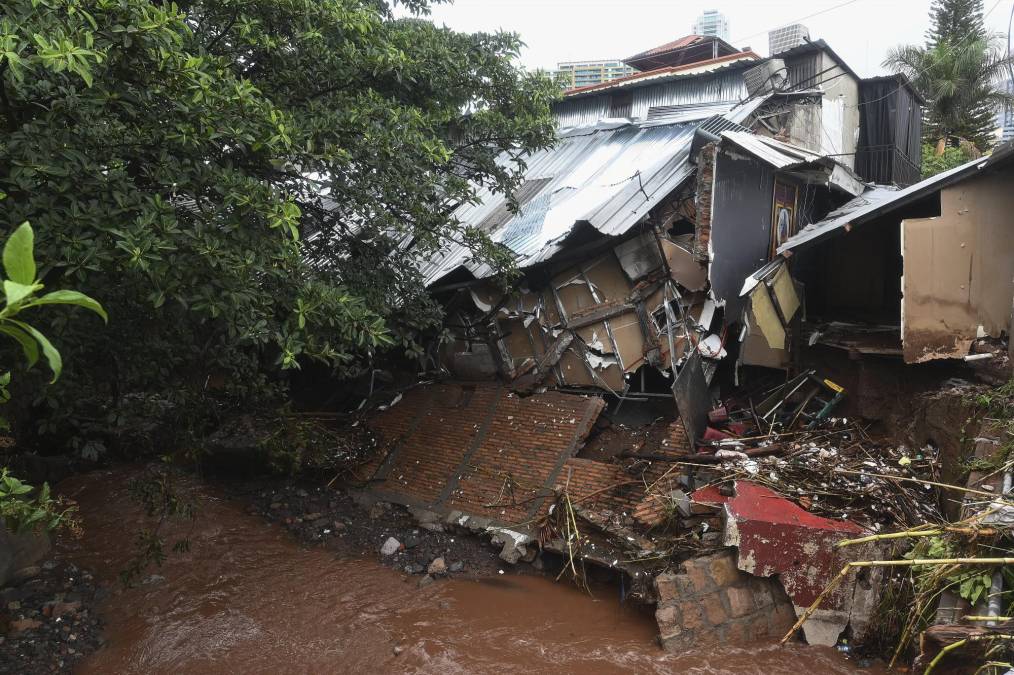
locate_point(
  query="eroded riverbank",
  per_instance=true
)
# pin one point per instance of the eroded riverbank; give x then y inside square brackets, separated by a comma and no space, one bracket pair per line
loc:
[249,598]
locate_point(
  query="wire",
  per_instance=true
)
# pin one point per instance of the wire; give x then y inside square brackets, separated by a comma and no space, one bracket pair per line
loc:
[794,21]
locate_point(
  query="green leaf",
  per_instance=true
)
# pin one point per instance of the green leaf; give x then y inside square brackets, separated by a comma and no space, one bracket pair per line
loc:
[16,292]
[19,260]
[28,345]
[48,350]
[70,298]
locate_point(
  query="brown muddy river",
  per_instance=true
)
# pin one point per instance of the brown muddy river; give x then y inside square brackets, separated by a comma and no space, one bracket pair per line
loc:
[248,598]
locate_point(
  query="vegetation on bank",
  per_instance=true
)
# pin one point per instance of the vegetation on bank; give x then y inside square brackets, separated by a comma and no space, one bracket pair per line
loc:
[243,185]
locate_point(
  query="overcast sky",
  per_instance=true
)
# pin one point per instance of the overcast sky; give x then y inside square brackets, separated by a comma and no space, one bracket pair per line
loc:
[861,31]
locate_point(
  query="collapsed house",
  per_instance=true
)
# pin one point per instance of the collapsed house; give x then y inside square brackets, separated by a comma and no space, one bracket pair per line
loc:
[714,213]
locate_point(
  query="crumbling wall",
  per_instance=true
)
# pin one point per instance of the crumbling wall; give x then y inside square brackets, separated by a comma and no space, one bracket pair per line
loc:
[712,602]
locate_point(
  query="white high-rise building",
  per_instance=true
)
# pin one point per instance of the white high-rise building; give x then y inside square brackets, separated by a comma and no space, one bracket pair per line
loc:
[712,22]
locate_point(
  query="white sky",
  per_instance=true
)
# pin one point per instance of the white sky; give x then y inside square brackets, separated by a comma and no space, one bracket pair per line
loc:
[572,30]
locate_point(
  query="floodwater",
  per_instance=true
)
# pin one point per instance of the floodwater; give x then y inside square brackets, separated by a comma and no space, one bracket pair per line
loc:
[248,599]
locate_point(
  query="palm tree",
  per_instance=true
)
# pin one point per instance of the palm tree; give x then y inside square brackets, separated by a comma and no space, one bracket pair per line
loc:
[962,85]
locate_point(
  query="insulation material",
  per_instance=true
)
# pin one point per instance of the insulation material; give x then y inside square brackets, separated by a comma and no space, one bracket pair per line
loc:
[767,317]
[683,266]
[639,256]
[958,270]
[597,338]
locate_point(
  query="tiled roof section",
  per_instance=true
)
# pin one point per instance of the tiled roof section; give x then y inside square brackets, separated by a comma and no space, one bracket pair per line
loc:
[689,69]
[684,41]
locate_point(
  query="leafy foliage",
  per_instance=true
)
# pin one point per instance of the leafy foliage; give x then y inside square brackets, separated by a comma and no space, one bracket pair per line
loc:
[958,73]
[22,511]
[932,163]
[19,509]
[244,183]
[954,20]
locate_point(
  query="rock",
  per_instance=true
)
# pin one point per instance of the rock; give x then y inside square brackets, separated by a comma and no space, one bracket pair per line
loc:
[275,506]
[320,522]
[538,564]
[310,517]
[398,649]
[379,509]
[414,569]
[62,608]
[437,567]
[530,554]
[390,547]
[153,579]
[24,574]
[338,526]
[411,541]
[457,566]
[24,625]
[425,581]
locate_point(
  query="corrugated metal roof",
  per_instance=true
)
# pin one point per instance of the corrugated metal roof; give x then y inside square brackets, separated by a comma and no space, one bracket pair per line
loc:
[660,74]
[609,175]
[777,154]
[880,200]
[788,157]
[678,43]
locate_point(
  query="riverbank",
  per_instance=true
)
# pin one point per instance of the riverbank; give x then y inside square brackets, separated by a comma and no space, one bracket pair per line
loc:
[48,622]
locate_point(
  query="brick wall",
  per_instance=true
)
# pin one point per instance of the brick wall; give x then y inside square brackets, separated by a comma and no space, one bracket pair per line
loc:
[711,602]
[478,448]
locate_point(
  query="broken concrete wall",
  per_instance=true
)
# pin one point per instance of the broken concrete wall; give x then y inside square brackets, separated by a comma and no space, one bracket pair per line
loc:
[840,115]
[711,602]
[959,270]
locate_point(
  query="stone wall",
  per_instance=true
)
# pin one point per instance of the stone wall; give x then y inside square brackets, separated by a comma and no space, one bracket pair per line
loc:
[712,602]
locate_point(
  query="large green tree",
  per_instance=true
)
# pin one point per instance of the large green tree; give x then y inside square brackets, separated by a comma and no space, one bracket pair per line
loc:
[958,72]
[954,20]
[245,184]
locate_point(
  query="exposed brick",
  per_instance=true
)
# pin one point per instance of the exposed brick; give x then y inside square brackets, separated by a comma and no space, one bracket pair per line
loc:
[740,601]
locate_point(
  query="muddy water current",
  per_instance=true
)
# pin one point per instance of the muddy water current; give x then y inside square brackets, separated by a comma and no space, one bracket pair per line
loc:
[247,598]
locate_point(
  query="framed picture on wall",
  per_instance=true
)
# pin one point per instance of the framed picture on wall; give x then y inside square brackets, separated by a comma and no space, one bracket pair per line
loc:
[783,215]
